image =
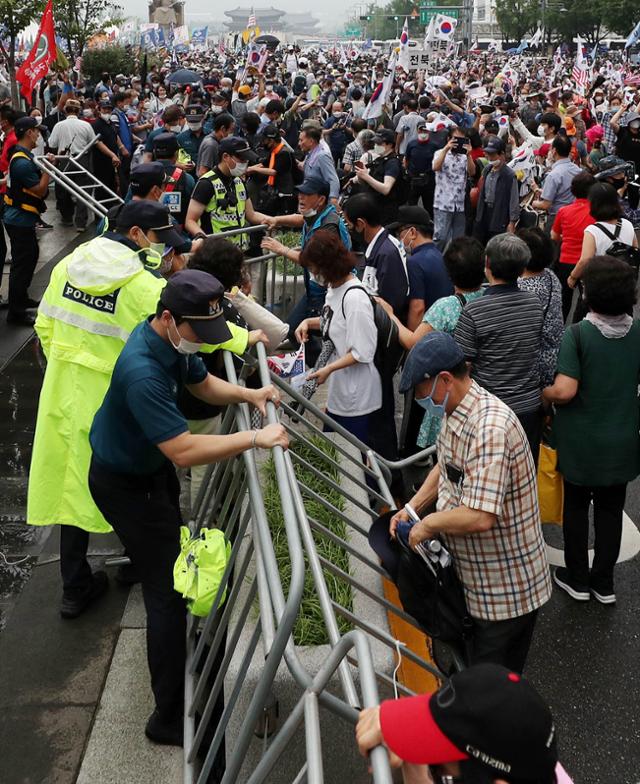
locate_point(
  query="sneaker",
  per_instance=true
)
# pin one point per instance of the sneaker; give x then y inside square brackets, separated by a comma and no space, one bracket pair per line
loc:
[73,607]
[166,733]
[604,597]
[43,225]
[562,578]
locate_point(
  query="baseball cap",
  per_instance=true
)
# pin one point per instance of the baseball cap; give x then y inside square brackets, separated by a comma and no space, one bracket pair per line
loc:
[194,112]
[484,712]
[145,176]
[234,145]
[384,135]
[150,216]
[411,215]
[494,144]
[24,124]
[314,185]
[244,90]
[271,132]
[196,296]
[106,104]
[165,143]
[436,352]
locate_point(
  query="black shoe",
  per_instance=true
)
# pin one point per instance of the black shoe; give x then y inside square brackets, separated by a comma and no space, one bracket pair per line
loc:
[562,578]
[43,225]
[127,574]
[166,733]
[33,304]
[72,608]
[23,319]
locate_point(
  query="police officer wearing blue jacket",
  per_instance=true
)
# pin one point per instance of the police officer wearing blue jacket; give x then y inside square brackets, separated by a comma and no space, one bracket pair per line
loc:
[137,437]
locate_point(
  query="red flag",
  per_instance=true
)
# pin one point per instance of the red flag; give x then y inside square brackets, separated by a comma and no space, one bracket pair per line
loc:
[41,55]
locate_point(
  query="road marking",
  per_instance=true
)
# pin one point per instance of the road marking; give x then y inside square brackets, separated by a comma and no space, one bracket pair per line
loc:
[629,546]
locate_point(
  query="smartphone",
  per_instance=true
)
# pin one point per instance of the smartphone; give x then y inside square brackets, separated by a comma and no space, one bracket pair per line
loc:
[460,145]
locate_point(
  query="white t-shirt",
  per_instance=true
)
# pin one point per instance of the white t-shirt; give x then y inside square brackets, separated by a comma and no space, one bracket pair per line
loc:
[603,243]
[71,136]
[354,390]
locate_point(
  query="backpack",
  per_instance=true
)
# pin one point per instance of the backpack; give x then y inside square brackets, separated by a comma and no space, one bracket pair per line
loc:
[389,352]
[328,215]
[620,250]
[299,84]
[401,187]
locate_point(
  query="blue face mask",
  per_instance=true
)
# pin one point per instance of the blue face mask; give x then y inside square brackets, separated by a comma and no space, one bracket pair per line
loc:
[434,409]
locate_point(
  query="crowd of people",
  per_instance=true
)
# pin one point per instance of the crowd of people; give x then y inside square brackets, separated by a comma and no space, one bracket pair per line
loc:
[486,216]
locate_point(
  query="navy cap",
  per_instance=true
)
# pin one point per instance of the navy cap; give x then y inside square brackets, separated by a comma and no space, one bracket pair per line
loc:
[150,216]
[145,176]
[165,143]
[196,296]
[436,352]
[314,185]
[194,112]
[25,124]
[409,215]
[384,136]
[271,131]
[239,148]
[494,144]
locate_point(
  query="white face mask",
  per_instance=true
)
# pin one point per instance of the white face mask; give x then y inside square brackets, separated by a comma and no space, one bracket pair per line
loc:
[541,130]
[173,128]
[195,126]
[239,169]
[184,346]
[105,116]
[309,213]
[379,149]
[87,113]
[216,109]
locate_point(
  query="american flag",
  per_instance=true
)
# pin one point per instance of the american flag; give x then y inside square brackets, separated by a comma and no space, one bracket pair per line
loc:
[581,69]
[251,22]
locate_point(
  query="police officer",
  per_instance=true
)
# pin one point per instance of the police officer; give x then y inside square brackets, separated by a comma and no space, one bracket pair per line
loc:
[219,201]
[27,187]
[180,184]
[191,138]
[146,181]
[95,298]
[137,436]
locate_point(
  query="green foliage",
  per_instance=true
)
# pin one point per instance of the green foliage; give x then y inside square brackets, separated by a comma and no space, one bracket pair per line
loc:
[15,15]
[78,20]
[578,17]
[516,18]
[309,628]
[113,59]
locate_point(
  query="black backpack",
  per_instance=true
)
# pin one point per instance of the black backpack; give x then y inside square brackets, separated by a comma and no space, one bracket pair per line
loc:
[389,351]
[401,187]
[620,250]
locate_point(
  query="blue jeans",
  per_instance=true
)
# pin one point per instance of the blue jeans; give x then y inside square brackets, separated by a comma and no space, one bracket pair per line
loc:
[447,226]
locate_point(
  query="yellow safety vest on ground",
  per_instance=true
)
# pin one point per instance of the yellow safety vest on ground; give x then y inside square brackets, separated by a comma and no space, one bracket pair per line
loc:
[227,213]
[94,300]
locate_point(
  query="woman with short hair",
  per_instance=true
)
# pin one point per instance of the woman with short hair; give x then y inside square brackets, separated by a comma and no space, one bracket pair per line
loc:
[596,426]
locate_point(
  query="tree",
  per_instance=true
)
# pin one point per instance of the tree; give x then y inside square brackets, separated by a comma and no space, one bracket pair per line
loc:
[78,20]
[109,59]
[15,15]
[578,17]
[516,18]
[621,17]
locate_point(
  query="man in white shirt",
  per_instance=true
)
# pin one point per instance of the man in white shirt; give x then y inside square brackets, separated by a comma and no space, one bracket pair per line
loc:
[69,138]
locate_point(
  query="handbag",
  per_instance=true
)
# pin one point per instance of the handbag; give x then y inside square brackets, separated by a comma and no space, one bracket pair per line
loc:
[550,486]
[198,570]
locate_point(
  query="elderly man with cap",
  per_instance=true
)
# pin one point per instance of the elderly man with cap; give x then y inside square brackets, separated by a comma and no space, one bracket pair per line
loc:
[318,162]
[485,724]
[486,503]
[498,207]
[315,213]
[219,201]
[23,204]
[137,437]
[95,298]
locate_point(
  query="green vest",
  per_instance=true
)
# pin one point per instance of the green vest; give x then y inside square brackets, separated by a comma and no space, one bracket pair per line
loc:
[224,215]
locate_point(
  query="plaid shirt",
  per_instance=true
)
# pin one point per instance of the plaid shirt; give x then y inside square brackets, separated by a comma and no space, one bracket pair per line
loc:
[610,136]
[504,571]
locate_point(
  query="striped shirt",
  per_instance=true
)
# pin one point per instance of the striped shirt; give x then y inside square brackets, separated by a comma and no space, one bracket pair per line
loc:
[504,571]
[501,335]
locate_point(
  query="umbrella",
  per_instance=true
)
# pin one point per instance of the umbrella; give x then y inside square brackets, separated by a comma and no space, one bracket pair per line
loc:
[184,76]
[270,40]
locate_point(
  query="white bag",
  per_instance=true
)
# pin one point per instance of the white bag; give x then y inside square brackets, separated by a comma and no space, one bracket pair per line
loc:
[258,317]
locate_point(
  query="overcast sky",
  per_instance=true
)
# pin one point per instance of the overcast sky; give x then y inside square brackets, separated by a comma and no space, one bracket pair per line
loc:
[332,14]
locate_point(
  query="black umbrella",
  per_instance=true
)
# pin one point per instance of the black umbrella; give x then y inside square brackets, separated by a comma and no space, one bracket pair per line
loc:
[184,76]
[270,40]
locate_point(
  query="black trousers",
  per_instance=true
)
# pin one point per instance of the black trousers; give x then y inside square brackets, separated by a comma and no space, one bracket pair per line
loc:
[563,271]
[145,513]
[608,505]
[423,188]
[383,434]
[24,258]
[74,567]
[531,422]
[503,642]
